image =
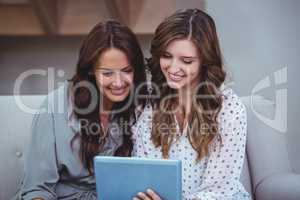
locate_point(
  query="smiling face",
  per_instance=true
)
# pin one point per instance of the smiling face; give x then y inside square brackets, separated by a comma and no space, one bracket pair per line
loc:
[180,64]
[114,75]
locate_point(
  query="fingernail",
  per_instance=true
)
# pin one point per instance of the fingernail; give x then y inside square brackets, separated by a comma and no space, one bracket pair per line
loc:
[149,190]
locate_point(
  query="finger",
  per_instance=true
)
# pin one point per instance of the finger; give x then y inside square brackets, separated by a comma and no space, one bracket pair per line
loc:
[135,198]
[143,196]
[153,195]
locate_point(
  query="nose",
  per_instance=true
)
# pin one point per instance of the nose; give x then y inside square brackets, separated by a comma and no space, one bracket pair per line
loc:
[174,67]
[118,80]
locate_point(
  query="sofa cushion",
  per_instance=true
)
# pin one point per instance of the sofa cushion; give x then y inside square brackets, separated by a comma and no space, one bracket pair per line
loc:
[15,123]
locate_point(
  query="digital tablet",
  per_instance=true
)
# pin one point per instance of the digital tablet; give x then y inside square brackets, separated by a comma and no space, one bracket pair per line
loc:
[122,178]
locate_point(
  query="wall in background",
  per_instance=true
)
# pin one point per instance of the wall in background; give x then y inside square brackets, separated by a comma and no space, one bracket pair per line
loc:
[56,54]
[259,38]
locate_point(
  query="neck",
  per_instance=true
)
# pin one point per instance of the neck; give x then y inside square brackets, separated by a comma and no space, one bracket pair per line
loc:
[185,96]
[104,111]
[185,101]
[105,105]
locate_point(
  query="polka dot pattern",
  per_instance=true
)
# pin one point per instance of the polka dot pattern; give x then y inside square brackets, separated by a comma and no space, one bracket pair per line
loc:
[217,175]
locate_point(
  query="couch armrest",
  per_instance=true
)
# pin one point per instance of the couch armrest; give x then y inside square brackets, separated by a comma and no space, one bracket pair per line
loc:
[280,186]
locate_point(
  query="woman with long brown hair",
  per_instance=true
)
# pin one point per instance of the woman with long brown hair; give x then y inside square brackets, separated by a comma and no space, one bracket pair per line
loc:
[96,121]
[193,117]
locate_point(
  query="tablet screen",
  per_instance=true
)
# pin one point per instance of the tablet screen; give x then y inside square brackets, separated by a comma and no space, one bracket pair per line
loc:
[123,178]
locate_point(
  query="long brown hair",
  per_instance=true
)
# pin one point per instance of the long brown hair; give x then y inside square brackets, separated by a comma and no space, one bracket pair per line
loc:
[102,37]
[199,27]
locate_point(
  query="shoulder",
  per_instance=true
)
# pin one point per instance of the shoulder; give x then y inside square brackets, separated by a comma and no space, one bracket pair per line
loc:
[143,111]
[143,115]
[232,104]
[58,106]
[57,100]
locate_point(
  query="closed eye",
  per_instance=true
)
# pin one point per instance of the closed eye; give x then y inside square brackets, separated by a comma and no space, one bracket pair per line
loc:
[166,55]
[185,61]
[128,70]
[107,73]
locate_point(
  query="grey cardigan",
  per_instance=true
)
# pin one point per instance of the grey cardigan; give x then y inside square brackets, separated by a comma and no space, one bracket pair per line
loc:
[52,170]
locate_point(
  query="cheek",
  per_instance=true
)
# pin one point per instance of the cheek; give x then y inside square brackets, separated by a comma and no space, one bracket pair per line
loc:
[164,63]
[128,78]
[102,81]
[193,70]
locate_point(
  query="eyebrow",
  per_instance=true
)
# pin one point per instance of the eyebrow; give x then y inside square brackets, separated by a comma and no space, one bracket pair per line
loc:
[108,69]
[189,57]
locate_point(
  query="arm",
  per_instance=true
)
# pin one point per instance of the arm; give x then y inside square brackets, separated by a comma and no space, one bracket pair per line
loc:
[224,164]
[41,171]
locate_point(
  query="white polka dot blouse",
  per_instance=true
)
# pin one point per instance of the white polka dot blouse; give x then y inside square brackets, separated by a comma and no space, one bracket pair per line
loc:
[216,176]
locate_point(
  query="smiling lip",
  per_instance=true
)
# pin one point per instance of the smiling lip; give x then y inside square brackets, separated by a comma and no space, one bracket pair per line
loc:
[175,78]
[118,92]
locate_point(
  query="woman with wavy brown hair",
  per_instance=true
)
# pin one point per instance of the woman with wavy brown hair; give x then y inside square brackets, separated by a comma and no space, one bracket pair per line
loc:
[192,116]
[88,116]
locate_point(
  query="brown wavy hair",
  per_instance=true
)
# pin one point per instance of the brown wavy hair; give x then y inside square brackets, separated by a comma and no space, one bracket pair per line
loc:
[102,37]
[199,27]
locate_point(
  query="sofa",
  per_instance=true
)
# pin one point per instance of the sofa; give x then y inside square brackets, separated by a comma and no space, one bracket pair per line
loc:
[267,172]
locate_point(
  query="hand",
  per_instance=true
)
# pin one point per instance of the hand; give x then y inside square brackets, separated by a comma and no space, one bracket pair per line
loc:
[149,195]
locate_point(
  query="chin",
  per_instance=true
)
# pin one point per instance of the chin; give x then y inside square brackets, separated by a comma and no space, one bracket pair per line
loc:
[175,86]
[118,98]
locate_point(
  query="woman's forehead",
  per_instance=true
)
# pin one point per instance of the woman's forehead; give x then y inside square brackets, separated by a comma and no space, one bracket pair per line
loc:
[182,47]
[113,59]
